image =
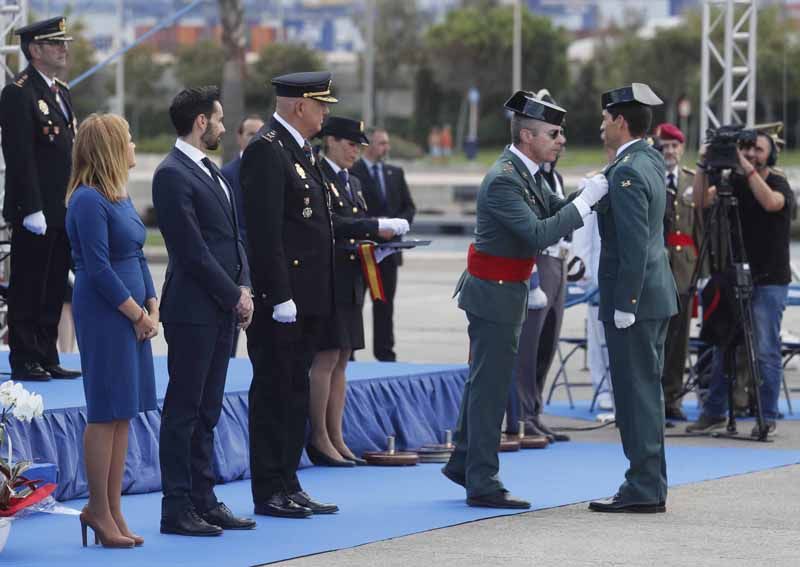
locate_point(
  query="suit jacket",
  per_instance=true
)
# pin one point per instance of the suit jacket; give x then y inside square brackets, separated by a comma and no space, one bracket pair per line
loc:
[347,275]
[207,260]
[231,173]
[515,218]
[37,146]
[287,207]
[398,204]
[634,272]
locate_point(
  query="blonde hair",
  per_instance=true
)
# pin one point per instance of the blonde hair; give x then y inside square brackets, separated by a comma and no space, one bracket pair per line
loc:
[100,156]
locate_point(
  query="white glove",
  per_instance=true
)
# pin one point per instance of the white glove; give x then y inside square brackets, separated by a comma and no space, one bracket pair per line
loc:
[285,312]
[595,188]
[398,226]
[623,319]
[35,223]
[383,252]
[537,299]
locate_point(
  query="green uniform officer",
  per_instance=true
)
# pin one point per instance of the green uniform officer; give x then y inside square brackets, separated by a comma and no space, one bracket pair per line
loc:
[637,295]
[681,239]
[517,216]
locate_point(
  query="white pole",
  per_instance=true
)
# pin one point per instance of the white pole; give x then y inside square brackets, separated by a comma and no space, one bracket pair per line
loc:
[119,42]
[368,109]
[516,82]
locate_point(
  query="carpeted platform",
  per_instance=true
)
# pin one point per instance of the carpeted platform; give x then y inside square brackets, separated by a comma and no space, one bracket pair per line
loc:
[376,504]
[413,402]
[581,410]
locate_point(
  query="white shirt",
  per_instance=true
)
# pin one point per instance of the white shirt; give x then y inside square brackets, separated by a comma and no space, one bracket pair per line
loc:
[298,137]
[624,146]
[197,156]
[50,82]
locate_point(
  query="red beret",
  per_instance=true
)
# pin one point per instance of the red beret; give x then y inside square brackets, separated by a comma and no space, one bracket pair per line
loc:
[667,131]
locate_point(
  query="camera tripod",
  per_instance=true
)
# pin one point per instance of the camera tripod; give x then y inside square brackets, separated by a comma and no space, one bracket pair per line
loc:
[724,224]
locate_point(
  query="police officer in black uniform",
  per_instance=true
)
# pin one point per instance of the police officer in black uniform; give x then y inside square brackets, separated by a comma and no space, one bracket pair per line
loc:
[38,127]
[290,234]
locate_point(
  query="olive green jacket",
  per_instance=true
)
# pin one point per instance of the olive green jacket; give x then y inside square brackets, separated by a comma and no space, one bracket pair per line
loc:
[516,218]
[634,273]
[683,259]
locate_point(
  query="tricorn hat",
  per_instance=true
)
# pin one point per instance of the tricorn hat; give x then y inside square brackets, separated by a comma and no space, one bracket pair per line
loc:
[635,92]
[526,104]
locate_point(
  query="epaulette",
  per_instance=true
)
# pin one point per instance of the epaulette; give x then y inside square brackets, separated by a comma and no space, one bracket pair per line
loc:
[62,83]
[21,80]
[777,171]
[688,170]
[508,167]
[270,136]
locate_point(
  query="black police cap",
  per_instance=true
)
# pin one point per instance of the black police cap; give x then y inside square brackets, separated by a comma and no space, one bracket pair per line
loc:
[635,92]
[346,128]
[315,84]
[526,104]
[53,29]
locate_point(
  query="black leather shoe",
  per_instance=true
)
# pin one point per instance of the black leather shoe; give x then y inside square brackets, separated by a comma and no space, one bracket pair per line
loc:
[359,462]
[281,506]
[618,505]
[453,477]
[545,430]
[188,523]
[499,499]
[31,371]
[675,413]
[322,460]
[301,498]
[222,516]
[62,373]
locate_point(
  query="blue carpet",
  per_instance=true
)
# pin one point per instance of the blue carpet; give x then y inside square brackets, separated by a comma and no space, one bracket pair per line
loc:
[581,410]
[376,503]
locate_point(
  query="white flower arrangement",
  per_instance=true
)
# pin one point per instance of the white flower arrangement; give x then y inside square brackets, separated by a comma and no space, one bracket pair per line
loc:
[24,406]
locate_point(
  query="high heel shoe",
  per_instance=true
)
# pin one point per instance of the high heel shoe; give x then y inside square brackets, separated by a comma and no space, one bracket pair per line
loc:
[99,536]
[321,459]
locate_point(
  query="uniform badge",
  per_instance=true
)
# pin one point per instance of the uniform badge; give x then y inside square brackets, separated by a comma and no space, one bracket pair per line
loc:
[306,201]
[307,213]
[300,171]
[43,107]
[626,183]
[334,190]
[355,210]
[626,158]
[508,168]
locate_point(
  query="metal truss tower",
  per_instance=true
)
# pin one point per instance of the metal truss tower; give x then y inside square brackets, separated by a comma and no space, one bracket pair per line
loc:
[728,63]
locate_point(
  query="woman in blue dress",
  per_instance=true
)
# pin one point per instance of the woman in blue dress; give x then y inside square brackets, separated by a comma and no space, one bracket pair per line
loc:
[116,315]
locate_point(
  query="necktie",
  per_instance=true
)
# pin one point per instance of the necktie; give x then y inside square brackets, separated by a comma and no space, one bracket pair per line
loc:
[376,174]
[59,99]
[309,152]
[215,176]
[671,181]
[344,178]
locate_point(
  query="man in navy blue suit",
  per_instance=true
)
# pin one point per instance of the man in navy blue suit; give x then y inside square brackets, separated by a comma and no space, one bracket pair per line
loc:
[206,292]
[248,128]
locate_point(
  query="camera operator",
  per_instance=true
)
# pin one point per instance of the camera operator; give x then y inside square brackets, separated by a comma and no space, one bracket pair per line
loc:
[765,204]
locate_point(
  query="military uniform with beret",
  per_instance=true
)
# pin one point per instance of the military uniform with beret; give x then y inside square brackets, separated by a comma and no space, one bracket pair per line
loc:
[635,278]
[38,126]
[682,241]
[517,216]
[290,234]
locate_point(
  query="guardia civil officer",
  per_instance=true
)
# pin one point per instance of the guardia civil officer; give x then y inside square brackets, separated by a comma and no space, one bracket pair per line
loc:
[290,231]
[637,295]
[38,127]
[518,215]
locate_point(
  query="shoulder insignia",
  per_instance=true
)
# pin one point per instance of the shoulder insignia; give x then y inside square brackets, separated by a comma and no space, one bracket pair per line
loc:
[688,170]
[269,136]
[62,83]
[626,183]
[21,80]
[626,158]
[508,167]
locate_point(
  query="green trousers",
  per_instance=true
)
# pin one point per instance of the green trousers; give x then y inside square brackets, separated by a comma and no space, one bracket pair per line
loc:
[493,349]
[636,357]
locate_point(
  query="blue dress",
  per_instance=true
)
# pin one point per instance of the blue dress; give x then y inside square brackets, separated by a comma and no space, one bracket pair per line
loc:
[107,240]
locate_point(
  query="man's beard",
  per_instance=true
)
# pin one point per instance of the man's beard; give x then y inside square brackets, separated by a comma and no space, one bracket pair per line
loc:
[210,140]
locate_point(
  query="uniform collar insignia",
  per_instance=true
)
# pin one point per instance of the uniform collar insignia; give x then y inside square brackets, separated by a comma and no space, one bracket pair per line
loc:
[626,183]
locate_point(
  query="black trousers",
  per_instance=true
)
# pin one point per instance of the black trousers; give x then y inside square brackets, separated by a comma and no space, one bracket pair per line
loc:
[281,354]
[383,314]
[197,359]
[38,286]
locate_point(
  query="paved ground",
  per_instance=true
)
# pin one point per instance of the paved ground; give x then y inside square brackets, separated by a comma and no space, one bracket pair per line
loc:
[751,520]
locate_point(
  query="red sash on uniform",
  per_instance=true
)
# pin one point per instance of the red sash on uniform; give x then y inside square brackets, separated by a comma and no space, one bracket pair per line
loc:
[681,239]
[488,267]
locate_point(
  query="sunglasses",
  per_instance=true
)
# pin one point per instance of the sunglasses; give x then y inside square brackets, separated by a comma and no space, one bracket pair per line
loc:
[553,134]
